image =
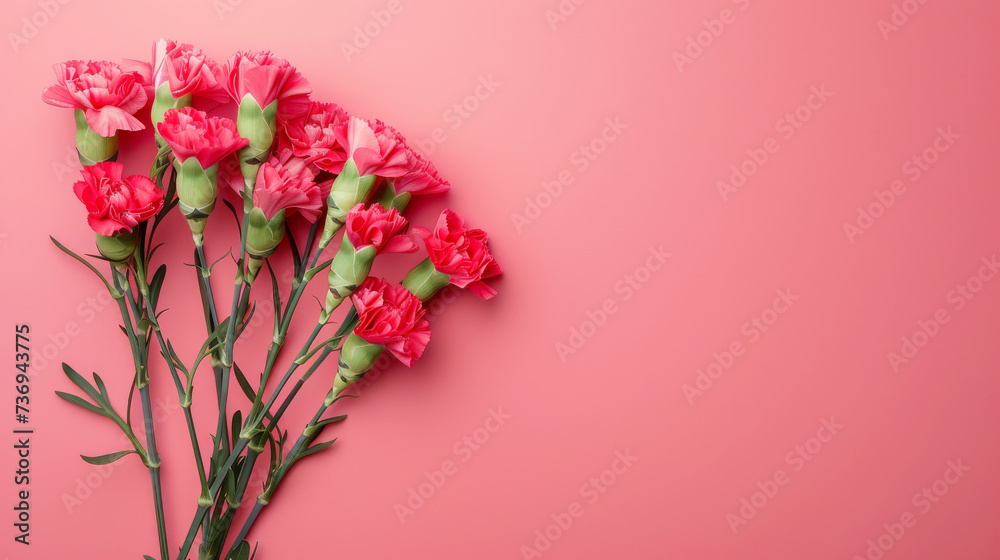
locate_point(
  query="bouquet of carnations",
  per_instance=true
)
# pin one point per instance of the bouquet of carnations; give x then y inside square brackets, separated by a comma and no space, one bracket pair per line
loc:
[284,158]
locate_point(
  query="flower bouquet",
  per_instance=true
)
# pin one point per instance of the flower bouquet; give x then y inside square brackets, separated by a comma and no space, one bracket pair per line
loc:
[284,158]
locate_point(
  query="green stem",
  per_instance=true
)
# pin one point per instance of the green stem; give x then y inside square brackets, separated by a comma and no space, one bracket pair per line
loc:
[142,378]
[273,350]
[222,436]
[265,498]
[208,302]
[185,404]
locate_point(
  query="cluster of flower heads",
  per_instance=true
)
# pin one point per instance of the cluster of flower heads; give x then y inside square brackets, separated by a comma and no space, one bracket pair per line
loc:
[284,155]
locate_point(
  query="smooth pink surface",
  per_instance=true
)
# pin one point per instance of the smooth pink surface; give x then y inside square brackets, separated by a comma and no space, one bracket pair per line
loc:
[542,93]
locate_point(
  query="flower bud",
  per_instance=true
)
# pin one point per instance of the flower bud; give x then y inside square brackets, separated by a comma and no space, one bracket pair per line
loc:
[259,126]
[357,357]
[348,270]
[91,146]
[118,248]
[164,101]
[348,190]
[424,280]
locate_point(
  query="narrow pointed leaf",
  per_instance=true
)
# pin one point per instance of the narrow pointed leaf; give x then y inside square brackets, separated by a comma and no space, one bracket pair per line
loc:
[315,449]
[79,401]
[241,552]
[82,383]
[114,292]
[156,284]
[106,459]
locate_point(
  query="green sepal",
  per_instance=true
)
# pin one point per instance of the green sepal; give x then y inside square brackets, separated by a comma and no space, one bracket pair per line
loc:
[164,101]
[197,188]
[263,235]
[117,248]
[424,280]
[348,190]
[389,199]
[91,146]
[259,126]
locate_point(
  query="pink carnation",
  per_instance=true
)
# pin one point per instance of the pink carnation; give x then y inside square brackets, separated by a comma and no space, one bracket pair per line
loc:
[267,78]
[188,70]
[191,133]
[285,182]
[377,149]
[421,177]
[379,228]
[313,136]
[461,253]
[116,204]
[108,95]
[393,317]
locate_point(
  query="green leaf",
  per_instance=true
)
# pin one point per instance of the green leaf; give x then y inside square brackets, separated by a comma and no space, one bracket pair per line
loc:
[106,459]
[296,257]
[245,322]
[275,295]
[329,421]
[156,284]
[316,270]
[111,289]
[313,432]
[128,409]
[82,383]
[174,358]
[78,401]
[237,424]
[315,449]
[350,321]
[232,209]
[244,383]
[148,557]
[103,389]
[241,552]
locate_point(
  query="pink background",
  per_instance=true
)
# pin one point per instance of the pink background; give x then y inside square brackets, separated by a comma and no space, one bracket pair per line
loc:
[623,390]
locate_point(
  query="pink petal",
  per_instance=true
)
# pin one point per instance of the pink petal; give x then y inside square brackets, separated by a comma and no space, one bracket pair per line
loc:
[481,289]
[109,120]
[400,244]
